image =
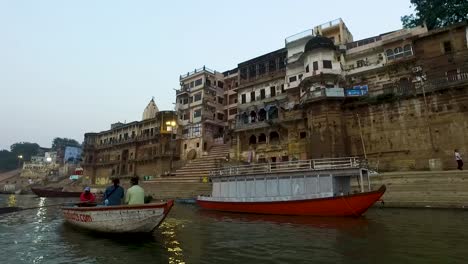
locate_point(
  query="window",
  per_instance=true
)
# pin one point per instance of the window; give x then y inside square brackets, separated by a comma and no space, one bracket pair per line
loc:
[262,94]
[327,64]
[252,140]
[252,71]
[198,145]
[208,82]
[262,138]
[282,88]
[307,68]
[282,63]
[220,116]
[315,65]
[243,73]
[252,96]
[233,111]
[274,137]
[261,69]
[197,97]
[185,145]
[220,100]
[185,100]
[398,51]
[292,79]
[220,84]
[303,134]
[300,76]
[198,82]
[447,47]
[389,54]
[407,50]
[197,113]
[243,100]
[272,66]
[192,84]
[273,91]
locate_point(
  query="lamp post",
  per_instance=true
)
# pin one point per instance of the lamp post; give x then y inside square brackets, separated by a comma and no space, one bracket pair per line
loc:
[172,127]
[20,157]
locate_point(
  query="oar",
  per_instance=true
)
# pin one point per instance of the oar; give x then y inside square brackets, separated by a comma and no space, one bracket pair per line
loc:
[6,210]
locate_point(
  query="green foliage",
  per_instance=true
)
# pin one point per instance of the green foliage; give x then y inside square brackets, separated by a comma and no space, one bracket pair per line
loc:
[436,13]
[24,149]
[60,143]
[8,160]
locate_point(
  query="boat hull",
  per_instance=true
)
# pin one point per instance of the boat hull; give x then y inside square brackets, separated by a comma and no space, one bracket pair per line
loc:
[118,219]
[54,193]
[348,205]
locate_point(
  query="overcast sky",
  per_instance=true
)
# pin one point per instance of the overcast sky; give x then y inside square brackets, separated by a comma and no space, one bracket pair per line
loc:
[70,67]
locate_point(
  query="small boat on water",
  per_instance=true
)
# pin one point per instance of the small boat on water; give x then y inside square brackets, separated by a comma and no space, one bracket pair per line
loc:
[308,187]
[119,219]
[53,192]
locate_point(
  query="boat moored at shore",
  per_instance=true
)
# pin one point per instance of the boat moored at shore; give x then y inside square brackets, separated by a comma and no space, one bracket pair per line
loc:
[309,187]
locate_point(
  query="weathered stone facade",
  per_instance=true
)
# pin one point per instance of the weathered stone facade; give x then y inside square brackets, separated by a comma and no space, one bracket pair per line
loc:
[140,148]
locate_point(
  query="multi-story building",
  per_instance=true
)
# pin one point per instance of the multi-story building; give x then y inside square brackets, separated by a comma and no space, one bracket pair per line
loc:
[139,148]
[200,110]
[231,83]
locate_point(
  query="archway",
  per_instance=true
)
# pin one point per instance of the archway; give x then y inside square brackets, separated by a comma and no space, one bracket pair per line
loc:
[262,115]
[272,112]
[253,117]
[262,138]
[252,140]
[274,137]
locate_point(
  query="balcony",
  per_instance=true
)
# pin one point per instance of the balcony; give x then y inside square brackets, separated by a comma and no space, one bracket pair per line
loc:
[323,93]
[284,116]
[267,99]
[300,35]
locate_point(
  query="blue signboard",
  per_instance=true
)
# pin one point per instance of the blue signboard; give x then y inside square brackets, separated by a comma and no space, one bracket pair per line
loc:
[358,90]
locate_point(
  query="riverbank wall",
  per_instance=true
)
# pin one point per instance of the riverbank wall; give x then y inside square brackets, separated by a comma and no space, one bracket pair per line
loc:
[423,189]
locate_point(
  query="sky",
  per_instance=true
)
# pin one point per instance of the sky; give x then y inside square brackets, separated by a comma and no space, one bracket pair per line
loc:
[71,67]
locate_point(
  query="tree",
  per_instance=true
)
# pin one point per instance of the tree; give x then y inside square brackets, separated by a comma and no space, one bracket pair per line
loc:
[24,149]
[436,13]
[59,144]
[8,160]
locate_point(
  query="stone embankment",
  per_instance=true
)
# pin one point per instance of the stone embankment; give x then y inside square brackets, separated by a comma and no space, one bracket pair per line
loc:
[423,189]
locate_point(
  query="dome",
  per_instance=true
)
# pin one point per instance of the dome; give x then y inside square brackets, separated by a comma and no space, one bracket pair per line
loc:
[319,42]
[150,110]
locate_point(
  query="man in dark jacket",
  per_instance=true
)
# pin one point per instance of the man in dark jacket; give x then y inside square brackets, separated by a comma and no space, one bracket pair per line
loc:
[114,193]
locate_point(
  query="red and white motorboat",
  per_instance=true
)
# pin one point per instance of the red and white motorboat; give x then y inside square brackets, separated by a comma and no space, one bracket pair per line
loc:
[119,219]
[309,187]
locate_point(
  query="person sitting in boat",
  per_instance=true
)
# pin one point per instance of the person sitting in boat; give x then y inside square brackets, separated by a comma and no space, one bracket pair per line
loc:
[135,194]
[114,193]
[87,196]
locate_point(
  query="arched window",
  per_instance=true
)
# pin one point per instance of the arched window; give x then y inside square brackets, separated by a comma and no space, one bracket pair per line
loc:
[261,115]
[262,138]
[273,112]
[274,137]
[252,140]
[408,50]
[389,54]
[398,51]
[253,117]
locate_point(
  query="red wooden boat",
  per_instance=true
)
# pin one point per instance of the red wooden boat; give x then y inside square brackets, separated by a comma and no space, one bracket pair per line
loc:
[54,192]
[313,187]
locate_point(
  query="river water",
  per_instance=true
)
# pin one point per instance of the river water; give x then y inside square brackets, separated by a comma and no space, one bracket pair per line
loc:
[192,235]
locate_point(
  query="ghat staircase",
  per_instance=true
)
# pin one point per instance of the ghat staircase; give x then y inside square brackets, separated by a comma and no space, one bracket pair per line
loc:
[194,170]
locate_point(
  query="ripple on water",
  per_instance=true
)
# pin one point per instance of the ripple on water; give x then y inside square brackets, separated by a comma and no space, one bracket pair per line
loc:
[190,235]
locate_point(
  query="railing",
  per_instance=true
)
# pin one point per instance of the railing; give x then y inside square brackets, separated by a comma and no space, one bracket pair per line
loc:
[303,34]
[197,71]
[291,166]
[330,24]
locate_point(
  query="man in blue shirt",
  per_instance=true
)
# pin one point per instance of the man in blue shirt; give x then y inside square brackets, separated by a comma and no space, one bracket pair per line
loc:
[114,193]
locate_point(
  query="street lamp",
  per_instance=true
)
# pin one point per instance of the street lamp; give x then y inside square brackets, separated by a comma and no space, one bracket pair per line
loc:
[172,127]
[20,157]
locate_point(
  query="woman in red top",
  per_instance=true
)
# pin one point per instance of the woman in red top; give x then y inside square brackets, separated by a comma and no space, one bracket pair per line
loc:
[87,196]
